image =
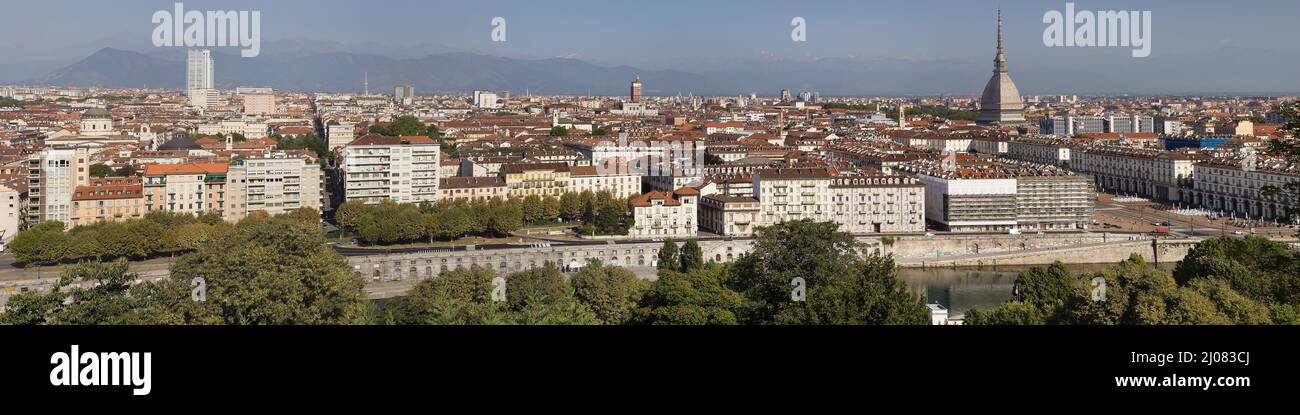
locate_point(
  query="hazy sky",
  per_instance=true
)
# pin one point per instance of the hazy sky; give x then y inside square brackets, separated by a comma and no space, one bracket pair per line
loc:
[652,32]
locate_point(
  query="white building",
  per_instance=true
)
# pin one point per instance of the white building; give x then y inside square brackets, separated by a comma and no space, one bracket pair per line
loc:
[486,99]
[54,173]
[665,214]
[403,169]
[198,70]
[10,213]
[340,133]
[275,183]
[859,204]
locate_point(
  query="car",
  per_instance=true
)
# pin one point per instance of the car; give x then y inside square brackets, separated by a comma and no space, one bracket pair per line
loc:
[1238,233]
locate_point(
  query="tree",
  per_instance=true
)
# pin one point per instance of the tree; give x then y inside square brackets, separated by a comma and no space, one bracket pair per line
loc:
[1049,289]
[461,296]
[103,298]
[559,131]
[571,207]
[349,214]
[841,287]
[698,297]
[407,125]
[100,170]
[610,292]
[1008,314]
[668,255]
[272,271]
[43,242]
[692,256]
[532,209]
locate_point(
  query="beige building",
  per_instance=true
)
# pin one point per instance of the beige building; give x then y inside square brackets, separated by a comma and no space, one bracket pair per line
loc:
[185,188]
[11,210]
[110,199]
[729,215]
[471,188]
[541,179]
[620,185]
[1156,174]
[1234,186]
[53,174]
[275,183]
[259,103]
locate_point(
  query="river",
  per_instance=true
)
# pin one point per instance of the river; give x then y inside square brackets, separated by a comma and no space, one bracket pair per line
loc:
[960,289]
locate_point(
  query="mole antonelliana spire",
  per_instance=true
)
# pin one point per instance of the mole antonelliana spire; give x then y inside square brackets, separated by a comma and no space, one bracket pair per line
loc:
[1001,102]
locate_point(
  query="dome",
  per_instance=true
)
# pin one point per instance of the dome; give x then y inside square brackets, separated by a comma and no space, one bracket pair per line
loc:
[96,113]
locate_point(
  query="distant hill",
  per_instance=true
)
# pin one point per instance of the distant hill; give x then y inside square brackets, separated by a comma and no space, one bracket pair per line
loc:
[453,72]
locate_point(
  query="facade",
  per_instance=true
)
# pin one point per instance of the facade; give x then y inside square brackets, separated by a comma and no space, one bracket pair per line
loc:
[110,199]
[486,99]
[541,179]
[1160,175]
[1234,186]
[274,183]
[53,174]
[729,215]
[259,103]
[1039,150]
[997,196]
[636,90]
[377,167]
[620,185]
[198,70]
[339,134]
[96,122]
[665,214]
[11,213]
[1054,200]
[472,188]
[193,188]
[860,204]
[403,94]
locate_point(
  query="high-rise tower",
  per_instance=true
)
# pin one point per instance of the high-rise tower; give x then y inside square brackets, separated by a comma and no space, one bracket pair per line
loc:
[198,70]
[636,89]
[1000,103]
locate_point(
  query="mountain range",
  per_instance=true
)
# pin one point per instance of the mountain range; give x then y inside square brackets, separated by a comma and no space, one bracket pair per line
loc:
[335,67]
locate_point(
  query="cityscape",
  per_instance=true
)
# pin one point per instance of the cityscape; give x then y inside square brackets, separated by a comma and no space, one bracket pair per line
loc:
[460,188]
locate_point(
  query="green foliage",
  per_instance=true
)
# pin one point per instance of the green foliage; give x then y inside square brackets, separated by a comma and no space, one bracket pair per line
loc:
[559,131]
[156,234]
[272,271]
[610,292]
[461,296]
[100,170]
[1008,314]
[842,286]
[691,256]
[668,255]
[405,125]
[305,141]
[698,297]
[265,270]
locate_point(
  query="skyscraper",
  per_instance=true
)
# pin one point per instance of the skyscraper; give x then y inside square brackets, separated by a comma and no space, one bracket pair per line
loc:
[198,70]
[404,94]
[1001,102]
[636,89]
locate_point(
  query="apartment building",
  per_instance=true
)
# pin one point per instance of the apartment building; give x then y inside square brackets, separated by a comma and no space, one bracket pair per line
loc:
[1160,175]
[665,214]
[53,174]
[860,204]
[273,182]
[618,184]
[109,199]
[541,179]
[729,215]
[1234,185]
[192,188]
[377,167]
[472,188]
[986,195]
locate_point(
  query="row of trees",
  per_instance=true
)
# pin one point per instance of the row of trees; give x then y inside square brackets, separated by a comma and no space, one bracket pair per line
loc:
[307,141]
[104,170]
[1225,280]
[391,222]
[155,234]
[839,286]
[263,270]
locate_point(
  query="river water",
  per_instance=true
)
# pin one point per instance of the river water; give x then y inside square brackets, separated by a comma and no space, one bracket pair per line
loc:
[960,289]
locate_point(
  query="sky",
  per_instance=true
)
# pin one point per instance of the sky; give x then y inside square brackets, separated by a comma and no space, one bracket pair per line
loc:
[650,32]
